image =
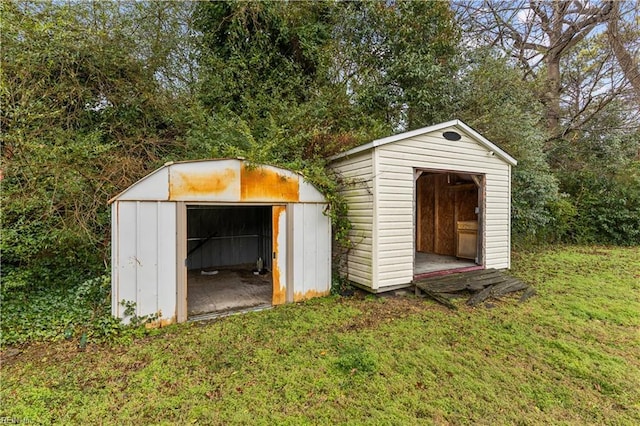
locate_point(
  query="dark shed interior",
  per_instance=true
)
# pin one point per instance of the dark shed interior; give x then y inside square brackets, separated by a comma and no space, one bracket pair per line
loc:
[447,214]
[220,236]
[223,246]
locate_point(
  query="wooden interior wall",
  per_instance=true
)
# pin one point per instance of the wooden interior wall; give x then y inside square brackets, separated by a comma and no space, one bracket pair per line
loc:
[440,203]
[425,213]
[445,227]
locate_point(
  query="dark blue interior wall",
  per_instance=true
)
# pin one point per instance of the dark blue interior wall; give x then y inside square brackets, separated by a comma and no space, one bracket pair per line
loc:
[220,236]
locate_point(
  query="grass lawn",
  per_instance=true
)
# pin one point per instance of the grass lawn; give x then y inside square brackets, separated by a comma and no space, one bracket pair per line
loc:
[569,355]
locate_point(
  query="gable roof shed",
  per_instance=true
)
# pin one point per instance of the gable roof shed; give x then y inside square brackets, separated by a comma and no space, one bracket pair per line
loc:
[430,201]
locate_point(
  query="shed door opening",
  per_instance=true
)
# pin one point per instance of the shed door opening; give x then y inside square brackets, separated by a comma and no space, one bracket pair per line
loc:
[229,259]
[448,221]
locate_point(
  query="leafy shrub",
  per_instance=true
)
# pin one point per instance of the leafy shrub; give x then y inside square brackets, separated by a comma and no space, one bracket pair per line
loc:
[30,314]
[607,206]
[535,197]
[82,312]
[340,285]
[563,219]
[38,249]
[82,118]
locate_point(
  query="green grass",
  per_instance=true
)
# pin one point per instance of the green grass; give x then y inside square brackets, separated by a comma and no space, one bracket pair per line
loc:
[570,355]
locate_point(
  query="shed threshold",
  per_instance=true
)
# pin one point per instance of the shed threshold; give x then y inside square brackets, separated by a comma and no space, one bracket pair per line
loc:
[431,265]
[447,272]
[214,315]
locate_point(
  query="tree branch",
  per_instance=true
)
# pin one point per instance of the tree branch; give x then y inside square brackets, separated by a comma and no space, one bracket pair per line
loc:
[539,11]
[628,63]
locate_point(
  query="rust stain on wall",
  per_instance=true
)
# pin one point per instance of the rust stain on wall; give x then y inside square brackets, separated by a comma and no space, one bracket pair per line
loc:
[159,323]
[309,294]
[262,184]
[279,288]
[183,185]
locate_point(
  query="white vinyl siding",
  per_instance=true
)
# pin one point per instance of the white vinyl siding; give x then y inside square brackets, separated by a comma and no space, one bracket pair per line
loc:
[358,174]
[396,199]
[498,213]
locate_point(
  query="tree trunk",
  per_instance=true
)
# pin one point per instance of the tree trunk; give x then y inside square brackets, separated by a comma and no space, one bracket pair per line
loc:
[552,95]
[553,84]
[627,62]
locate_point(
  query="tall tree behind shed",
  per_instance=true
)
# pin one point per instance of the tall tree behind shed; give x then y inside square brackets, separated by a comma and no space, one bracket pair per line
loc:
[624,37]
[540,34]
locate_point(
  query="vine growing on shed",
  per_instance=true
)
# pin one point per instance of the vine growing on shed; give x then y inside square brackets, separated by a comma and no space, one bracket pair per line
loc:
[330,183]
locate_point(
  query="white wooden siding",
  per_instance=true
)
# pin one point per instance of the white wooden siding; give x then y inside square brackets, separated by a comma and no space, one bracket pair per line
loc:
[395,198]
[358,171]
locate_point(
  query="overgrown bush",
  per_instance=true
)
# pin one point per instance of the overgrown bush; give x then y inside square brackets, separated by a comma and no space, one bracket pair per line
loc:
[563,220]
[82,118]
[30,314]
[607,206]
[533,196]
[81,313]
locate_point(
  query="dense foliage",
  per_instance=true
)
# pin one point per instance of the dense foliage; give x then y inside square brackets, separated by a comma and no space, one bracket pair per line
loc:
[95,95]
[82,118]
[607,207]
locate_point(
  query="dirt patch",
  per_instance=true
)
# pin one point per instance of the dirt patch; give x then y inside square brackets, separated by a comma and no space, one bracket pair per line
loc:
[385,308]
[43,353]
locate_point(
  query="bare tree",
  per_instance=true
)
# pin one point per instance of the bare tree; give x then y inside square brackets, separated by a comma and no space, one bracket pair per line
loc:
[540,35]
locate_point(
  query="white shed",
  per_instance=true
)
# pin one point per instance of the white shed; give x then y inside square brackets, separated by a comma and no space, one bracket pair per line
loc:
[427,202]
[200,238]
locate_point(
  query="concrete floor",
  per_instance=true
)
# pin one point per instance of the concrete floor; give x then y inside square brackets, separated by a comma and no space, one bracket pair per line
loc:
[231,289]
[429,262]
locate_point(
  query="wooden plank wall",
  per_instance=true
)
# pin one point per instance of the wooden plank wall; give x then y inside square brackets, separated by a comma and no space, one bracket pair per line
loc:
[425,234]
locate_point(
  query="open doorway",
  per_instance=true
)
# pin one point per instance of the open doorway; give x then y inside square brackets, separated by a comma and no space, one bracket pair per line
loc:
[448,229]
[229,259]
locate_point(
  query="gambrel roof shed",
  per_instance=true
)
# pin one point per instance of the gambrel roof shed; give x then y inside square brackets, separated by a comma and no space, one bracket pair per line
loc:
[430,201]
[200,238]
